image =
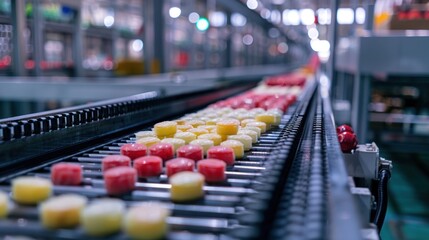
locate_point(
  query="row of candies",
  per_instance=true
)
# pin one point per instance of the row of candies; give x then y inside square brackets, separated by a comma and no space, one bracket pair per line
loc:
[191,150]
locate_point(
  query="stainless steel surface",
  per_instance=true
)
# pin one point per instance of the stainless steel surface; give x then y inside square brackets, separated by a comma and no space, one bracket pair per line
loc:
[86,89]
[19,46]
[363,162]
[364,203]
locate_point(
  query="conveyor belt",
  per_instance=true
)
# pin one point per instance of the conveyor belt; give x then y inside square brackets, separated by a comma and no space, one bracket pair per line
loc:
[279,189]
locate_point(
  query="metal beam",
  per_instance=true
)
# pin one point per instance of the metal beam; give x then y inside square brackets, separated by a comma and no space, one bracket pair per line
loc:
[18,26]
[37,37]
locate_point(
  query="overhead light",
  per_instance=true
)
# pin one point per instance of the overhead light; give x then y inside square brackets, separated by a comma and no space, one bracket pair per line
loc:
[360,15]
[306,16]
[345,16]
[265,13]
[313,33]
[278,2]
[137,45]
[238,20]
[324,16]
[217,19]
[193,17]
[252,4]
[109,21]
[203,24]
[247,39]
[276,16]
[291,17]
[175,12]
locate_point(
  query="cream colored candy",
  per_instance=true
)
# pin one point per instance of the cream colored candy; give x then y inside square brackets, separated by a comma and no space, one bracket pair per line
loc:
[62,211]
[260,125]
[143,134]
[237,146]
[250,133]
[244,139]
[176,142]
[102,217]
[186,136]
[227,126]
[212,121]
[4,204]
[147,220]
[204,143]
[198,131]
[257,110]
[166,128]
[184,127]
[256,129]
[216,138]
[148,141]
[31,190]
[186,186]
[209,128]
[244,122]
[195,123]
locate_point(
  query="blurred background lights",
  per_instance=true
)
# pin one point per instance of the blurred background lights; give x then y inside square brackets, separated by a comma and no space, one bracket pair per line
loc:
[238,20]
[360,15]
[313,33]
[217,19]
[345,16]
[202,24]
[282,47]
[109,21]
[137,45]
[291,17]
[252,4]
[193,17]
[307,16]
[247,39]
[175,12]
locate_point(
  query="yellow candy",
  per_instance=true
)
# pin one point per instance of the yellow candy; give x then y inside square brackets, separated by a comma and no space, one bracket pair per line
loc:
[250,133]
[184,127]
[244,122]
[147,221]
[260,125]
[62,211]
[278,115]
[244,139]
[198,131]
[102,217]
[186,136]
[148,141]
[176,142]
[216,138]
[4,205]
[204,143]
[267,118]
[212,121]
[186,186]
[31,190]
[143,134]
[166,128]
[237,146]
[256,129]
[195,123]
[227,126]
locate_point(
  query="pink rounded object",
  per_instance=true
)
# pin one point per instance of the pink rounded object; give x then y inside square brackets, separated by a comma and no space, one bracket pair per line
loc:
[66,174]
[112,161]
[223,153]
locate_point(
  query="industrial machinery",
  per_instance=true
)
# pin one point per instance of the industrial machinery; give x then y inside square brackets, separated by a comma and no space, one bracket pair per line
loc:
[292,184]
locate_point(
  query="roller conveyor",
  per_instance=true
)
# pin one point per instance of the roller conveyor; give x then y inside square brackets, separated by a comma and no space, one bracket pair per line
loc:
[284,187]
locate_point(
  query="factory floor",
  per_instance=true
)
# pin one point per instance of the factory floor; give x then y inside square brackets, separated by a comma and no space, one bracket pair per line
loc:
[408,213]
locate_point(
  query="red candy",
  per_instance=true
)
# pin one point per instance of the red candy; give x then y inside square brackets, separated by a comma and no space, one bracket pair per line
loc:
[148,166]
[120,180]
[134,150]
[212,169]
[344,128]
[179,165]
[193,152]
[225,154]
[66,174]
[113,161]
[162,150]
[348,141]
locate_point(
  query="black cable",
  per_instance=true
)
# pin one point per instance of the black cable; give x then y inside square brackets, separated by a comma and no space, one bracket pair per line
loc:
[380,213]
